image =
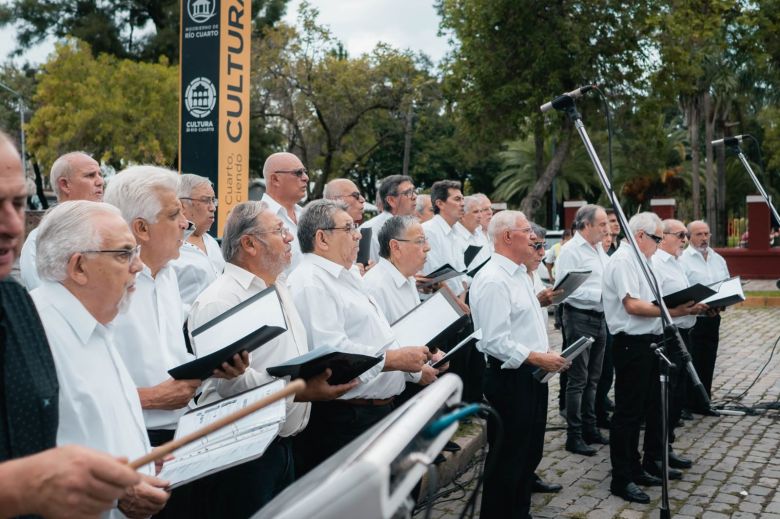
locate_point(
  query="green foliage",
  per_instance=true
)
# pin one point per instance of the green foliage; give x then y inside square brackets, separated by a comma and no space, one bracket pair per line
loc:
[119,111]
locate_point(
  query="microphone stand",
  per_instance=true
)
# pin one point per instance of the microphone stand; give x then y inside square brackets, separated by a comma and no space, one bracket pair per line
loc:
[664,365]
[567,105]
[735,148]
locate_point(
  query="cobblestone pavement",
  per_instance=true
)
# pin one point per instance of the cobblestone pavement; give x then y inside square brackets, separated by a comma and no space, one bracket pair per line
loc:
[737,463]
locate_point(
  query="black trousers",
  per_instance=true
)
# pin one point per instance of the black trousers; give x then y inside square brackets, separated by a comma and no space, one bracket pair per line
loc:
[521,402]
[332,425]
[704,350]
[637,398]
[237,492]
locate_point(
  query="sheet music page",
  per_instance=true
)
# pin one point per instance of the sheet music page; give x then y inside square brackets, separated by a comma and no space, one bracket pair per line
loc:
[266,310]
[425,322]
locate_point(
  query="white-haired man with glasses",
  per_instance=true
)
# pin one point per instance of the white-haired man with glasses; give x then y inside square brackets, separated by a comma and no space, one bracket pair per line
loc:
[286,181]
[200,258]
[635,322]
[257,247]
[336,310]
[88,261]
[149,336]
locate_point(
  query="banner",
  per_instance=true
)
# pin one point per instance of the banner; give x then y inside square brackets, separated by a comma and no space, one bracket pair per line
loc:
[214,65]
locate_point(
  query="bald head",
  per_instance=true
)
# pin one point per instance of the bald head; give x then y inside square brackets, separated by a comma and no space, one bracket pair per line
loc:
[13,198]
[285,178]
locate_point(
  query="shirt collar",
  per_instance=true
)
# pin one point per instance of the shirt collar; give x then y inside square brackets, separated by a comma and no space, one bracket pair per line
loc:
[74,312]
[242,276]
[507,264]
[393,271]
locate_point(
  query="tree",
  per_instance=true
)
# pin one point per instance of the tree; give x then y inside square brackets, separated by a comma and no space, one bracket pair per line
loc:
[511,56]
[119,111]
[116,27]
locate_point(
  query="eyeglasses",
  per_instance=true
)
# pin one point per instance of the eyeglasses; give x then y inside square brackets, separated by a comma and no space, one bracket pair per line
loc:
[125,255]
[349,228]
[281,231]
[681,235]
[297,172]
[408,193]
[656,239]
[419,241]
[203,200]
[539,245]
[355,194]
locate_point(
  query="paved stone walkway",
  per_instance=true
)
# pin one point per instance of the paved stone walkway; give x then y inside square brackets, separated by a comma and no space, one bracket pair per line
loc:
[737,466]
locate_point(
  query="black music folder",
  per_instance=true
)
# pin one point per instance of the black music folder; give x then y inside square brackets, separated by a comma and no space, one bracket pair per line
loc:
[695,293]
[245,327]
[344,366]
[435,322]
[364,246]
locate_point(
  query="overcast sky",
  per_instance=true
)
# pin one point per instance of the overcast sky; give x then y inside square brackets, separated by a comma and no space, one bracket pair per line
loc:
[360,24]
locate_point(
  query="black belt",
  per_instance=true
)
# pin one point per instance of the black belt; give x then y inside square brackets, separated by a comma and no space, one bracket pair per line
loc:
[592,313]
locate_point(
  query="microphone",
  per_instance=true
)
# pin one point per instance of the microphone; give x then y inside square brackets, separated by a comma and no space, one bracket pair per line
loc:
[729,141]
[561,101]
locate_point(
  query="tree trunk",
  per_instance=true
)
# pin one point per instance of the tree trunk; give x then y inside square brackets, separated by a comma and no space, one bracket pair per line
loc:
[693,132]
[709,172]
[533,199]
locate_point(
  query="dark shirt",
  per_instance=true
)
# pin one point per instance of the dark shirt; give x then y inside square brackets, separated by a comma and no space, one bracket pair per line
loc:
[29,409]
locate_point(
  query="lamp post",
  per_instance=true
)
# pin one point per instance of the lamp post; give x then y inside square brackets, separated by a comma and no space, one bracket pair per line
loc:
[20,100]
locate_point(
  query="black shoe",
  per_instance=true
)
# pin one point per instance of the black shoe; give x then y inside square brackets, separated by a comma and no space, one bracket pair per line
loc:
[654,469]
[647,480]
[686,415]
[451,447]
[678,462]
[541,487]
[577,446]
[595,436]
[604,423]
[631,493]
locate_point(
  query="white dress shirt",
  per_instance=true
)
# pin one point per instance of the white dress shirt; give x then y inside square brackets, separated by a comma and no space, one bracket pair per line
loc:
[671,278]
[504,306]
[27,266]
[98,402]
[395,294]
[578,254]
[375,224]
[446,247]
[231,288]
[281,212]
[338,312]
[195,269]
[150,337]
[699,270]
[623,277]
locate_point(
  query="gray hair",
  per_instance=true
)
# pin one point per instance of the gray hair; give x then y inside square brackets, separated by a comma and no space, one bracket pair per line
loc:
[66,229]
[135,191]
[317,215]
[188,182]
[419,204]
[585,215]
[389,187]
[669,223]
[470,201]
[242,220]
[62,168]
[393,229]
[503,221]
[646,221]
[538,230]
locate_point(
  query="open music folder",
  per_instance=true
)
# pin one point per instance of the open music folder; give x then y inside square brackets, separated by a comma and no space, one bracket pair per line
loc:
[245,327]
[242,441]
[435,322]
